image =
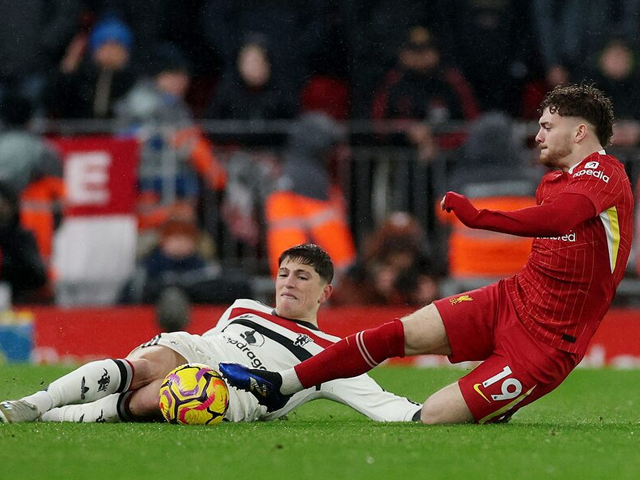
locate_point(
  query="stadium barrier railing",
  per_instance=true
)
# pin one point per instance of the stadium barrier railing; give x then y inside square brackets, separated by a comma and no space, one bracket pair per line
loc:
[379,176]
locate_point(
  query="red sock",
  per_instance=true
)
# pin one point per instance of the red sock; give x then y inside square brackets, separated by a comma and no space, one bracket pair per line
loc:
[353,355]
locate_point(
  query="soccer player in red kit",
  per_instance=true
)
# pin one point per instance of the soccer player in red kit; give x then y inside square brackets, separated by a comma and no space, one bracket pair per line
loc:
[531,329]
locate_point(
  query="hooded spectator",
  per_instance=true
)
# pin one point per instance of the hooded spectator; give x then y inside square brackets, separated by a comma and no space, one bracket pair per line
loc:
[250,90]
[307,205]
[89,86]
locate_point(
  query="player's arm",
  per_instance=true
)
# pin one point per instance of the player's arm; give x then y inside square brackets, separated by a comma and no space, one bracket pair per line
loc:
[364,395]
[551,219]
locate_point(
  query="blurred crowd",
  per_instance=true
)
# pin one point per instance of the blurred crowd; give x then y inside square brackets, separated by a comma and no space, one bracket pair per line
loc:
[435,60]
[151,63]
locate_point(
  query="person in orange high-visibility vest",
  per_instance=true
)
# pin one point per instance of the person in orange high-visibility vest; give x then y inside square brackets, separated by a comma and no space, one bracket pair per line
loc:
[41,209]
[493,168]
[474,253]
[32,168]
[306,206]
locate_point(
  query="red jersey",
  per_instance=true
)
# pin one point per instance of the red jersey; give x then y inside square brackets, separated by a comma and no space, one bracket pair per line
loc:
[568,282]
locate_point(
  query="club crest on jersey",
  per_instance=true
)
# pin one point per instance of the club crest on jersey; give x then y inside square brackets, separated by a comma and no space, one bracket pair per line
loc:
[302,340]
[460,299]
[253,338]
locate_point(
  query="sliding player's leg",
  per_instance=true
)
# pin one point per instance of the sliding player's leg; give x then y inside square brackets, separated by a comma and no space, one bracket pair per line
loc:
[151,363]
[88,383]
[105,410]
[517,368]
[418,333]
[95,381]
[446,406]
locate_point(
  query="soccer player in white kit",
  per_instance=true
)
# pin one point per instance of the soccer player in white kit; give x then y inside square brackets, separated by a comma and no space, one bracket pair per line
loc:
[248,333]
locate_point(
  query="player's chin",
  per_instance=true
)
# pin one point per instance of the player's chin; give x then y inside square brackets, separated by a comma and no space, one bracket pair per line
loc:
[288,311]
[287,304]
[545,159]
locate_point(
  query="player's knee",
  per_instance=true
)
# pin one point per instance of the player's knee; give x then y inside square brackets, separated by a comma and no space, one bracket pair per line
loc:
[144,402]
[142,372]
[432,414]
[446,407]
[153,363]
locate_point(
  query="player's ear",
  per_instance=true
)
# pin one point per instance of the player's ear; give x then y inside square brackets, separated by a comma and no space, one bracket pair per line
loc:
[581,132]
[326,293]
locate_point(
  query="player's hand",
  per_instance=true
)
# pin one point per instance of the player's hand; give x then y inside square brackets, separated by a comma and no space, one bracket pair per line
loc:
[450,200]
[461,206]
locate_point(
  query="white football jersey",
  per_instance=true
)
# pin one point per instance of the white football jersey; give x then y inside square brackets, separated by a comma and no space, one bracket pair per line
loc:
[252,334]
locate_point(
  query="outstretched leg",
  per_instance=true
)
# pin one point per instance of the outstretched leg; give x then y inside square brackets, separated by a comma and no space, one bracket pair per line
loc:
[418,333]
[143,370]
[105,410]
[446,406]
[88,383]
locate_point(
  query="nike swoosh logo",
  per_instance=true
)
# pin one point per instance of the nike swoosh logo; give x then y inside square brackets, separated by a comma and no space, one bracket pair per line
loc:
[476,387]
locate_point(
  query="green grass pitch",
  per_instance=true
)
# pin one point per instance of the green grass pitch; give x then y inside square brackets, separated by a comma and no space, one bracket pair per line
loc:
[589,428]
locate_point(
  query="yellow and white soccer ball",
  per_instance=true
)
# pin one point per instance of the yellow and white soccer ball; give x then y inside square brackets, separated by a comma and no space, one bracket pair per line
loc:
[194,394]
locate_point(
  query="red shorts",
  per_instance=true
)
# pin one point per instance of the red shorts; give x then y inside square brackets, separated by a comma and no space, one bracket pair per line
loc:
[517,368]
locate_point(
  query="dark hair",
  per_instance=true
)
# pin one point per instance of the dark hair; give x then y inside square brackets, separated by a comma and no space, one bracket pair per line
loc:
[584,101]
[312,255]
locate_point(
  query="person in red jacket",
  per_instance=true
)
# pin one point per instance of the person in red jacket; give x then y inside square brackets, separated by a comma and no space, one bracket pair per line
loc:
[529,330]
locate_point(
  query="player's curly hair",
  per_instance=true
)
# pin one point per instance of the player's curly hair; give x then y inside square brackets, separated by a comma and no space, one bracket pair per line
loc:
[584,101]
[312,255]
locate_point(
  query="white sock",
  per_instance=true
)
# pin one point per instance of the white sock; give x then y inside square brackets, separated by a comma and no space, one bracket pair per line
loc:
[88,383]
[101,411]
[42,400]
[290,382]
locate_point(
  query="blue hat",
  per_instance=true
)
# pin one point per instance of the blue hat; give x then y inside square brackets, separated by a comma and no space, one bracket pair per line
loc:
[110,30]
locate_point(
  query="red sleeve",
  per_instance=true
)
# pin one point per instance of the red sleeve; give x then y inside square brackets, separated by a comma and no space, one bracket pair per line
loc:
[547,220]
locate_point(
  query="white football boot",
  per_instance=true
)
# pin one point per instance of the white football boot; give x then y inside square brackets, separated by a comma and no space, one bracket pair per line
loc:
[16,411]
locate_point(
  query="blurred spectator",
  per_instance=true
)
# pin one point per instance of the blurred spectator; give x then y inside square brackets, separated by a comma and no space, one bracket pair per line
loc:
[295,31]
[251,91]
[20,263]
[177,263]
[423,91]
[567,35]
[32,169]
[493,168]
[372,40]
[90,82]
[251,178]
[615,71]
[493,151]
[480,29]
[393,270]
[568,31]
[176,155]
[307,206]
[34,35]
[154,22]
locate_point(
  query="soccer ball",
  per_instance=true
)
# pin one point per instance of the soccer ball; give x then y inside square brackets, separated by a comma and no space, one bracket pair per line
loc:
[194,394]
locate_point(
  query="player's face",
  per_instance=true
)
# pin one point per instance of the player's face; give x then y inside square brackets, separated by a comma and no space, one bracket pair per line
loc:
[299,291]
[555,138]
